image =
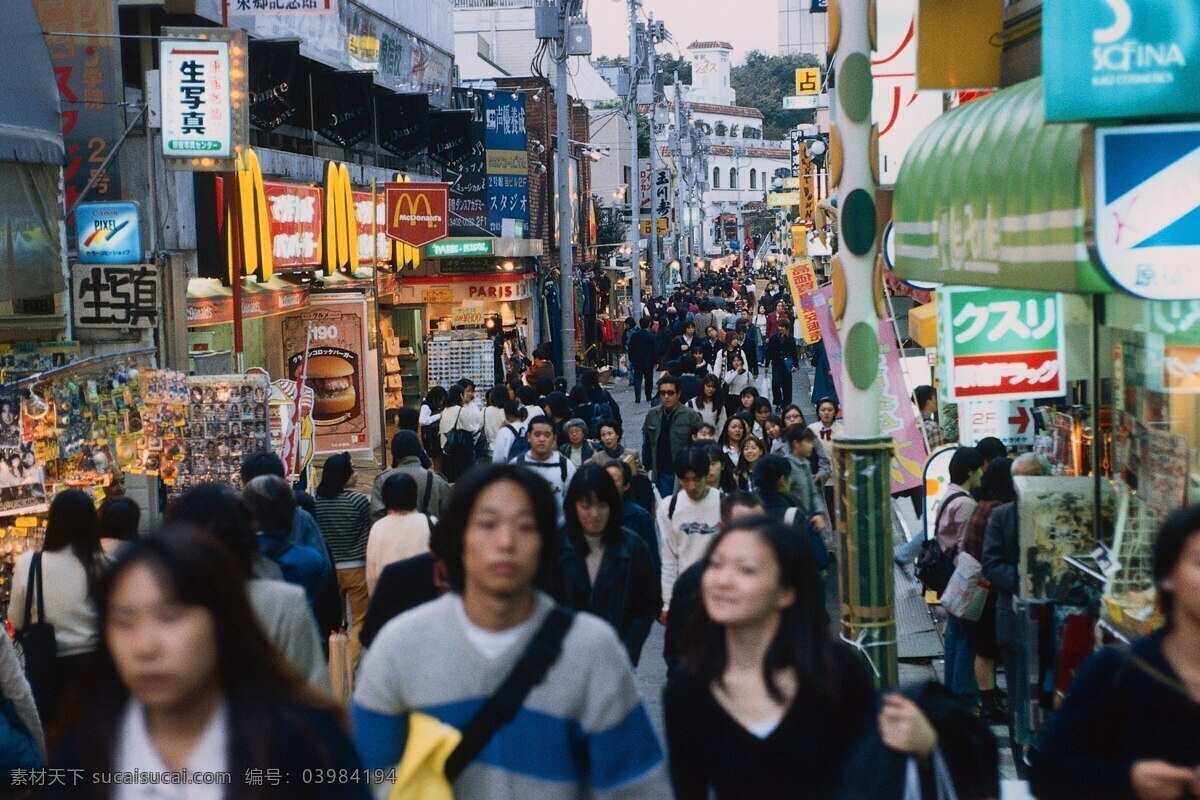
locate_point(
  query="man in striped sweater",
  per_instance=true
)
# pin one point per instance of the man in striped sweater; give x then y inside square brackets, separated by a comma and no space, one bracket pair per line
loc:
[582,732]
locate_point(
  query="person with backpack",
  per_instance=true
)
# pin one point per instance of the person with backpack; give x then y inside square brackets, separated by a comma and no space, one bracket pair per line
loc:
[687,521]
[509,438]
[403,533]
[272,506]
[545,460]
[433,491]
[460,428]
[606,407]
[496,655]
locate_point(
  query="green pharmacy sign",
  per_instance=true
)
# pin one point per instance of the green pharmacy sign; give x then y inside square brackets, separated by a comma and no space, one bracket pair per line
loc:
[456,248]
[1120,59]
[1001,343]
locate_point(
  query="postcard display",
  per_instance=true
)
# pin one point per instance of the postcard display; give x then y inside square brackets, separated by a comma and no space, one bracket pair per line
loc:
[227,420]
[453,355]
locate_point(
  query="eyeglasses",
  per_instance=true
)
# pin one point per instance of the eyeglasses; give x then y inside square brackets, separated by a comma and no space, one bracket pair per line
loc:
[667,392]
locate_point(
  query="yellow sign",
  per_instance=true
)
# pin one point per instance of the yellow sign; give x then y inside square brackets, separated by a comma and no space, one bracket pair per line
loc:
[437,296]
[808,188]
[462,316]
[255,246]
[802,280]
[784,199]
[800,241]
[339,234]
[662,226]
[808,80]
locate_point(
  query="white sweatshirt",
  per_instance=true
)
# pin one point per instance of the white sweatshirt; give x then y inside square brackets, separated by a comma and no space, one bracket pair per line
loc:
[684,536]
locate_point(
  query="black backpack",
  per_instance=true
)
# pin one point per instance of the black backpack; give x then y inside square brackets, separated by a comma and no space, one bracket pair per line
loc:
[520,445]
[934,567]
[458,455]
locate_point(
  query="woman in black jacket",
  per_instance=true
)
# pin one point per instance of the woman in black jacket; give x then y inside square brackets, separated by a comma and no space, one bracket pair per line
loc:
[607,570]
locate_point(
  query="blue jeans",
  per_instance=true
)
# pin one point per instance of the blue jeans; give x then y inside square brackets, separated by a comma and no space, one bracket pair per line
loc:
[665,481]
[909,552]
[960,664]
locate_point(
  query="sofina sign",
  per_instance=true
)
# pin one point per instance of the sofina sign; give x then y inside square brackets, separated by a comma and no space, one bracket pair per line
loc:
[1001,343]
[1120,59]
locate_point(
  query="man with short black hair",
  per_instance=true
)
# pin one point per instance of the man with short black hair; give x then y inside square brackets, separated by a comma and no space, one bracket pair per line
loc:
[634,516]
[305,530]
[643,355]
[545,459]
[666,431]
[687,520]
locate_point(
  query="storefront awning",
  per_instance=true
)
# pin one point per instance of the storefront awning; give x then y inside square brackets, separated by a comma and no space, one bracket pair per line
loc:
[990,195]
[211,303]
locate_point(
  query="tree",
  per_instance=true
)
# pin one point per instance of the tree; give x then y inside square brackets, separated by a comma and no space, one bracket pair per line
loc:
[609,229]
[760,222]
[721,129]
[763,81]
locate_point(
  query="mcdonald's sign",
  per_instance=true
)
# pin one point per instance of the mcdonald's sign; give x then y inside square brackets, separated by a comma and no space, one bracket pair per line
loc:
[251,200]
[339,246]
[418,213]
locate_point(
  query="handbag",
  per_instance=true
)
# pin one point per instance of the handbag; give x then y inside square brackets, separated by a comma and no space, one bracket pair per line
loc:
[966,592]
[341,668]
[934,568]
[435,753]
[942,779]
[37,639]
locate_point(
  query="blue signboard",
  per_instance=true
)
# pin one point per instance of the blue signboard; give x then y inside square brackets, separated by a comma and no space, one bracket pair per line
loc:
[1120,59]
[507,161]
[108,233]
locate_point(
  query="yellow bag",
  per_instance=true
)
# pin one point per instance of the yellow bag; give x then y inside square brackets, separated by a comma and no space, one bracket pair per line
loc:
[341,670]
[422,772]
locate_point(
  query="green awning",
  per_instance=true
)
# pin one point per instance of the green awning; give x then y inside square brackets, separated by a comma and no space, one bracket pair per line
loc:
[990,195]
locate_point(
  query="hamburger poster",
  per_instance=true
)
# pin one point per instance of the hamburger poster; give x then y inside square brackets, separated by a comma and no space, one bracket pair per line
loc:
[324,346]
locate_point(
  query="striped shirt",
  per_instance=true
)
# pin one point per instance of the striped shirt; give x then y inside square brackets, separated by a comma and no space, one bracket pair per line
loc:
[345,522]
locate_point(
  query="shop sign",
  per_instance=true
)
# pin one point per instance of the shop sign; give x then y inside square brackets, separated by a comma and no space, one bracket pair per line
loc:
[291,424]
[203,92]
[115,296]
[437,296]
[374,246]
[657,194]
[295,223]
[497,291]
[899,111]
[417,213]
[219,310]
[1001,343]
[507,160]
[108,233]
[283,8]
[644,226]
[784,199]
[1120,59]
[1148,208]
[463,316]
[324,348]
[1010,421]
[808,81]
[803,281]
[460,247]
[897,417]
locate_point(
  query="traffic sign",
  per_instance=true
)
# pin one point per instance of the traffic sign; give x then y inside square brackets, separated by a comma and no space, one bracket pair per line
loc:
[1148,208]
[1009,421]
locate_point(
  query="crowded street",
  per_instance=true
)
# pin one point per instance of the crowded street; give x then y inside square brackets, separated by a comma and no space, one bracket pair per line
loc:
[553,400]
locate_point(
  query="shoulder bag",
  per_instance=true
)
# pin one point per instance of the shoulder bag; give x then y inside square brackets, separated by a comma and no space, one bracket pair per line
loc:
[37,639]
[934,567]
[436,753]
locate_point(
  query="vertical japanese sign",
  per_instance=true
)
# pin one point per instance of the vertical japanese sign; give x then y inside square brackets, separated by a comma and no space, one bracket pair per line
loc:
[658,195]
[803,282]
[897,417]
[467,176]
[335,369]
[1001,343]
[202,85]
[295,223]
[88,70]
[370,228]
[507,161]
[115,295]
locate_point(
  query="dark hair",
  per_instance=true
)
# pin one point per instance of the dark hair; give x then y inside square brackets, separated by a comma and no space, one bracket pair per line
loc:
[922,395]
[514,409]
[788,408]
[451,529]
[578,395]
[674,368]
[264,462]
[831,400]
[672,380]
[560,384]
[716,455]
[749,390]
[498,396]
[272,504]
[689,324]
[626,470]
[761,403]
[718,398]
[611,423]
[542,419]
[118,518]
[803,641]
[259,687]
[465,383]
[435,398]
[593,481]
[991,448]
[544,385]
[335,475]
[218,509]
[408,419]
[699,426]
[798,433]
[646,322]
[1173,535]
[71,522]
[732,499]
[590,379]
[528,396]
[687,363]
[777,421]
[964,461]
[743,466]
[400,492]
[997,483]
[724,437]
[769,470]
[454,396]
[692,459]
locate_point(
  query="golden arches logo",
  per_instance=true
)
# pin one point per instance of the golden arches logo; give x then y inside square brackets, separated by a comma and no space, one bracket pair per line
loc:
[339,233]
[255,244]
[414,216]
[404,255]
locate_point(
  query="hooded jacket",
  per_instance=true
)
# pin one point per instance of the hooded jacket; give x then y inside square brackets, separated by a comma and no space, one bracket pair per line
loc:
[439,489]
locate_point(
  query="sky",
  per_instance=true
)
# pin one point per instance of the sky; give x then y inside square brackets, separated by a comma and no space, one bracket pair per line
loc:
[746,24]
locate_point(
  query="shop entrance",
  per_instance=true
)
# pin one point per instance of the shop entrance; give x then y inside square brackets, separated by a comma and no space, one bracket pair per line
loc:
[404,360]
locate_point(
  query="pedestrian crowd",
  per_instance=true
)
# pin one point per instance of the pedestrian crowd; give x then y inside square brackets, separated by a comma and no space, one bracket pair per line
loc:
[499,583]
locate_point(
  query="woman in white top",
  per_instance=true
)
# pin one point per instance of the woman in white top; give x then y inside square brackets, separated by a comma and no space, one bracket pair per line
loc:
[738,378]
[710,402]
[493,414]
[760,322]
[70,564]
[185,679]
[461,412]
[402,533]
[512,429]
[731,438]
[826,428]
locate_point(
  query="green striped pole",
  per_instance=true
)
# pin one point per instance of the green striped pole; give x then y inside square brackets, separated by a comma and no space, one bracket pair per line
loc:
[862,455]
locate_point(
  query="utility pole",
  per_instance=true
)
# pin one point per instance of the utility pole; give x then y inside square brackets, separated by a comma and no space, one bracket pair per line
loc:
[635,172]
[683,164]
[656,275]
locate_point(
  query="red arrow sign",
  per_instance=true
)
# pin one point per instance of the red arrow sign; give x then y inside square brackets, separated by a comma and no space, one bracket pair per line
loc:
[1022,419]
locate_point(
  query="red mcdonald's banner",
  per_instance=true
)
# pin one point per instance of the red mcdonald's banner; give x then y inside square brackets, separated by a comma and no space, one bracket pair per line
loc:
[418,213]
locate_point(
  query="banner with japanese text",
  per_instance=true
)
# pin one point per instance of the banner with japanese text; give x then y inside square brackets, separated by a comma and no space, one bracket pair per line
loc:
[803,282]
[897,416]
[1001,343]
[507,161]
[296,212]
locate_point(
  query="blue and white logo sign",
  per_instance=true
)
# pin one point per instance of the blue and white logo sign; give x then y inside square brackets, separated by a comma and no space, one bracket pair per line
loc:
[1148,209]
[108,233]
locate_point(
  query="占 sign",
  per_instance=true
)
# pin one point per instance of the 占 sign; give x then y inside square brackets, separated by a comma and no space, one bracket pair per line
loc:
[1120,59]
[108,233]
[1001,343]
[202,88]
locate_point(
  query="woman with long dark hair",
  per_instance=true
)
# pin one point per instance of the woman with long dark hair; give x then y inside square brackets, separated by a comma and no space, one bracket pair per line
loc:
[69,563]
[345,520]
[710,402]
[185,679]
[607,570]
[736,429]
[753,449]
[430,420]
